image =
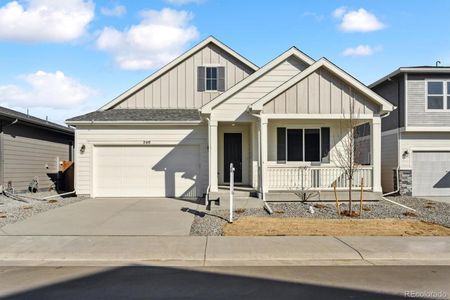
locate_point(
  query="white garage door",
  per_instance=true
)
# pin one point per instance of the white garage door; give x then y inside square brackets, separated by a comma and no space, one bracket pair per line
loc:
[146,171]
[431,173]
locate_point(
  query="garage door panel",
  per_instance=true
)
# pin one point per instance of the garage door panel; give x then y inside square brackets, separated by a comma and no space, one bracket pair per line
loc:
[431,173]
[146,171]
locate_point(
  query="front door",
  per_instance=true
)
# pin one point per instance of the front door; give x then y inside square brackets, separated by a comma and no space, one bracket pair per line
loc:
[232,153]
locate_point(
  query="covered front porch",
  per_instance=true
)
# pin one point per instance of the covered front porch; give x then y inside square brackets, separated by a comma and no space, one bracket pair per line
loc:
[276,153]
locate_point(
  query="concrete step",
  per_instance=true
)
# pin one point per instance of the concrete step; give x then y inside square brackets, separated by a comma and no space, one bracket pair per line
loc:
[323,196]
[238,203]
[224,193]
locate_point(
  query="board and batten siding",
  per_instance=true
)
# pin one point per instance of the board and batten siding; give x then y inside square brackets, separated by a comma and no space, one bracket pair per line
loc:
[177,88]
[123,136]
[319,93]
[31,152]
[417,97]
[237,104]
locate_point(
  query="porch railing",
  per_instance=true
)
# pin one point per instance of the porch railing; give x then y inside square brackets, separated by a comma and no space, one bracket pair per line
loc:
[285,177]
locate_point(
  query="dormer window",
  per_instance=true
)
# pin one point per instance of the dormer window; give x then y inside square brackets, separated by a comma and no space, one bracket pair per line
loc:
[211,78]
[438,95]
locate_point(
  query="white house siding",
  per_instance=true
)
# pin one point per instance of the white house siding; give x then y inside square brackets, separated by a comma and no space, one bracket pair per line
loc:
[115,135]
[320,93]
[177,88]
[425,141]
[336,135]
[234,107]
[389,160]
[416,95]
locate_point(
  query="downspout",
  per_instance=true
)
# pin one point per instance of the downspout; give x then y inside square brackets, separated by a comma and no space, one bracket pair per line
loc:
[266,205]
[209,164]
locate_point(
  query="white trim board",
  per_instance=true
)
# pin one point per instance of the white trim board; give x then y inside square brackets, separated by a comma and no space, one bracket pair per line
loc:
[386,106]
[445,70]
[175,62]
[207,108]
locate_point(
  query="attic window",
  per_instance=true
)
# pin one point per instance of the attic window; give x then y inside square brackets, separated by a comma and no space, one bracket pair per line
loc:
[211,78]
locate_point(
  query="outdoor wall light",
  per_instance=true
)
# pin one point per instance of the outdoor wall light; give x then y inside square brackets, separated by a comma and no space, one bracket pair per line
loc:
[405,154]
[82,148]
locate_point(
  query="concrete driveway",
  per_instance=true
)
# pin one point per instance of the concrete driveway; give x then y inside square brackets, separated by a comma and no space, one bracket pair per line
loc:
[110,216]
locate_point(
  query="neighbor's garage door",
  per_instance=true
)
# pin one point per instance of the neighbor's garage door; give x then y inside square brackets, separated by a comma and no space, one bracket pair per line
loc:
[431,173]
[146,171]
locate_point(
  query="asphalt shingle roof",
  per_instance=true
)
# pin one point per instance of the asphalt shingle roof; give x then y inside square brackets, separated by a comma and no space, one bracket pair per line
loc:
[140,115]
[12,114]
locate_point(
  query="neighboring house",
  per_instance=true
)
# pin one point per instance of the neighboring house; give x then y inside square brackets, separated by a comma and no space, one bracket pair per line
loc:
[31,148]
[416,136]
[175,133]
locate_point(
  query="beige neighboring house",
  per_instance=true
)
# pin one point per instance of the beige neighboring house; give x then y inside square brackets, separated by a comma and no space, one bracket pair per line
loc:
[175,133]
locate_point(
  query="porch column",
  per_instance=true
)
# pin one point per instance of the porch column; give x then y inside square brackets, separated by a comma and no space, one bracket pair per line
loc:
[263,131]
[213,154]
[375,149]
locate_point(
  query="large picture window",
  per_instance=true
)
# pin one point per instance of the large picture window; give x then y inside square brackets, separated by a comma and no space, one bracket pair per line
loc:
[303,144]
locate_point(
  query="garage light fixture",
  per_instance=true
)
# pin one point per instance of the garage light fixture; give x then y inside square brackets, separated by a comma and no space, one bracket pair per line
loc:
[82,148]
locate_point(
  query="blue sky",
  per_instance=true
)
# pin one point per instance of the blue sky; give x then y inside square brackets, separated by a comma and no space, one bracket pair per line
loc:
[63,58]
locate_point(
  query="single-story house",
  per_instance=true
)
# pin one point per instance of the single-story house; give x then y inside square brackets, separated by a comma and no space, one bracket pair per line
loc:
[31,148]
[175,133]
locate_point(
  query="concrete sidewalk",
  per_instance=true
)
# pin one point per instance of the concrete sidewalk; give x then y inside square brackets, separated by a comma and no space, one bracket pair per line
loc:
[220,251]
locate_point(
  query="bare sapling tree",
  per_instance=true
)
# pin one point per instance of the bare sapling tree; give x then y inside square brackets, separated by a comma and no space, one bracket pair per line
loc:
[303,186]
[348,151]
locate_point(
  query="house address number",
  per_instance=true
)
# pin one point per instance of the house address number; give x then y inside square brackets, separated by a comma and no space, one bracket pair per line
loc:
[147,142]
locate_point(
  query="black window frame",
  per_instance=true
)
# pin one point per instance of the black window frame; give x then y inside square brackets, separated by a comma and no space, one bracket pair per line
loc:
[303,145]
[213,81]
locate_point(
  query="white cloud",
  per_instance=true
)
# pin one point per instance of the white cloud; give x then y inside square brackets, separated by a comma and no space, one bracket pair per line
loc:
[45,20]
[183,2]
[339,12]
[360,50]
[45,90]
[157,39]
[116,11]
[357,20]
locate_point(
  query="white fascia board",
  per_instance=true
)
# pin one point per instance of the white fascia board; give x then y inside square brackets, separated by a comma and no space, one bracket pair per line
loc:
[315,116]
[386,106]
[119,123]
[427,129]
[175,62]
[206,109]
[410,70]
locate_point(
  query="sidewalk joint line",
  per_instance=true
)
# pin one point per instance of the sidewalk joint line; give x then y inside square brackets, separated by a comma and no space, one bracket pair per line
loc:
[354,249]
[204,254]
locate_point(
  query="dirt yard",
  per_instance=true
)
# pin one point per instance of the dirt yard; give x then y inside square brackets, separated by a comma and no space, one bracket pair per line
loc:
[264,226]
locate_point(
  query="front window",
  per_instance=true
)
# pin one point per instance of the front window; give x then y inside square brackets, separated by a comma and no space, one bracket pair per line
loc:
[303,144]
[438,95]
[211,78]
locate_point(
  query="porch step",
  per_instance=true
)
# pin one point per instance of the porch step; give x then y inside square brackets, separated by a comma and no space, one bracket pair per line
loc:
[238,203]
[239,192]
[325,196]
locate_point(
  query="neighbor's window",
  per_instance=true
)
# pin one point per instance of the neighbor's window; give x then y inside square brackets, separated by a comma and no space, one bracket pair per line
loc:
[435,97]
[448,94]
[211,78]
[301,144]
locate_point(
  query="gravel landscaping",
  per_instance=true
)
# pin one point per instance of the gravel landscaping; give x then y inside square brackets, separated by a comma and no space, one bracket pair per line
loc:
[12,211]
[211,223]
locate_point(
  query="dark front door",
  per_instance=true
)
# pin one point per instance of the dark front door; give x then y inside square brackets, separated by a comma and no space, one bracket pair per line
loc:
[232,153]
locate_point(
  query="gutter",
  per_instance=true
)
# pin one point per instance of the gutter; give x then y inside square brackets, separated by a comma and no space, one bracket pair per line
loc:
[92,122]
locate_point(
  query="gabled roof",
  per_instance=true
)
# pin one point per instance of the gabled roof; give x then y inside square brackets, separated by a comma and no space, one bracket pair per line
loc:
[9,114]
[138,115]
[251,78]
[175,62]
[324,63]
[414,69]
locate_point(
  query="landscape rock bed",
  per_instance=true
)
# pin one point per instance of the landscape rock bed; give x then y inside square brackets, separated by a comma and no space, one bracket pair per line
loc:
[12,211]
[211,223]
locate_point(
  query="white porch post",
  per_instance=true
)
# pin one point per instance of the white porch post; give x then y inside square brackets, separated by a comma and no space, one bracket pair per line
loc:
[213,152]
[263,131]
[375,149]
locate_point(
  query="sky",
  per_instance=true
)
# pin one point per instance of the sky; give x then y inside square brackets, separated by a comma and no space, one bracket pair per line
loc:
[62,58]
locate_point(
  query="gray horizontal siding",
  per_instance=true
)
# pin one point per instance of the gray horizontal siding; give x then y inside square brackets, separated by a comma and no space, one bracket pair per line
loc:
[417,114]
[27,151]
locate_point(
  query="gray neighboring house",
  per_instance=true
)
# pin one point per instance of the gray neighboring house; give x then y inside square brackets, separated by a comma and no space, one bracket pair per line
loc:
[416,136]
[31,147]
